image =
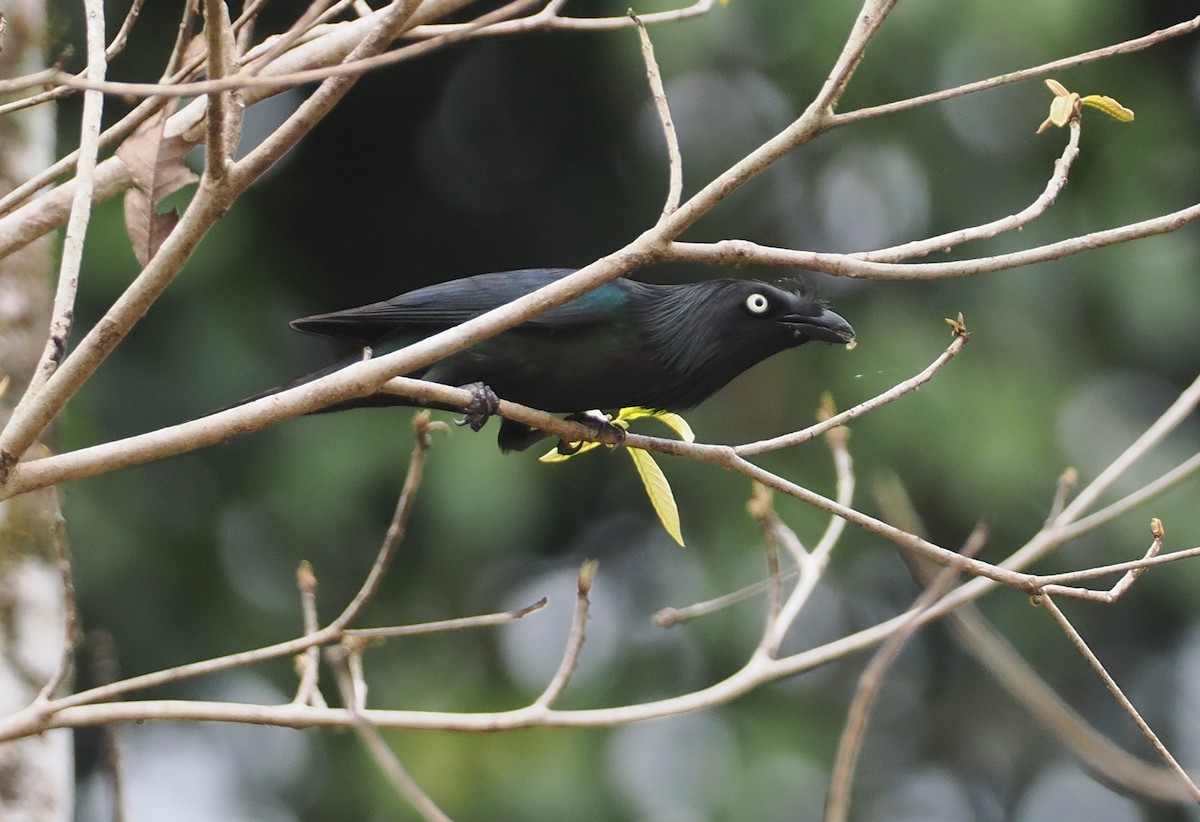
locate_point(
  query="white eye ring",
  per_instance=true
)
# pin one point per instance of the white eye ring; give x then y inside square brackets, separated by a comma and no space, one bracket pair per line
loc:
[757,304]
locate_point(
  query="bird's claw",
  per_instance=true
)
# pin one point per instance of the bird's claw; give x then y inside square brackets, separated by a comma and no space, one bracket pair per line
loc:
[484,403]
[598,424]
[568,448]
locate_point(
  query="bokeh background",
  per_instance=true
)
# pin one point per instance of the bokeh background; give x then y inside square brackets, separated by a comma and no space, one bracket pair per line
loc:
[544,150]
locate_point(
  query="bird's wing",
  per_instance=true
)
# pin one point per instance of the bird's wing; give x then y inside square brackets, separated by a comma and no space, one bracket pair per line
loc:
[447,304]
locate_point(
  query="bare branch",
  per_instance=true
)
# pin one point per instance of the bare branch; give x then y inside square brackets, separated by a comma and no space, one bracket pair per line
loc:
[1120,586]
[1150,560]
[441,625]
[1126,47]
[1167,422]
[312,16]
[669,615]
[122,36]
[549,19]
[812,564]
[224,121]
[762,509]
[1067,481]
[570,657]
[275,82]
[742,252]
[183,36]
[81,208]
[398,16]
[674,160]
[309,662]
[49,211]
[1135,498]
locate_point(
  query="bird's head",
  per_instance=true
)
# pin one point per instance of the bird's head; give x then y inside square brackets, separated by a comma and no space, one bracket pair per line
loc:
[789,317]
[705,334]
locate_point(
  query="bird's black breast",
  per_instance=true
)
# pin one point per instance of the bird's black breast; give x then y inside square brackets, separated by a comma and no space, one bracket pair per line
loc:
[602,365]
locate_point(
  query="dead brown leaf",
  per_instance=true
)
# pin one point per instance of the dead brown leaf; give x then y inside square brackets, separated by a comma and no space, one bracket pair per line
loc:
[156,163]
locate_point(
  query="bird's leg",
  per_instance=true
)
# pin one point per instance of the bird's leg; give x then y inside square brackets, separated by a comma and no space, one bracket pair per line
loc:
[598,423]
[484,403]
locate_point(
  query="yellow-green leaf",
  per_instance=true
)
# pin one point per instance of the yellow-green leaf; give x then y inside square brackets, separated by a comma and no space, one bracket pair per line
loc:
[634,412]
[678,424]
[1057,88]
[673,421]
[553,454]
[1062,107]
[1109,106]
[659,492]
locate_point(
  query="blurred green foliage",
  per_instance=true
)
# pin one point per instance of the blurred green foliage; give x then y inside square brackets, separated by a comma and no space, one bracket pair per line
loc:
[544,150]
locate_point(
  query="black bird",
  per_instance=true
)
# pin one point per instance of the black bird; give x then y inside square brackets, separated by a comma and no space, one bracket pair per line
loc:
[627,343]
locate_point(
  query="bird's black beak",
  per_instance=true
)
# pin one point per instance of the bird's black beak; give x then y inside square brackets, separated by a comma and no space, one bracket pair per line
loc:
[826,327]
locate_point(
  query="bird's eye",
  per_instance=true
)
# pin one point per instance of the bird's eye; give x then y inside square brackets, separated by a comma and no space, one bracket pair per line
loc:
[757,304]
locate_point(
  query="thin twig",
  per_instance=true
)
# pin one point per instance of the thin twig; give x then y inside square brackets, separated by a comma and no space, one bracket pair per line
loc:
[275,83]
[1096,752]
[751,449]
[399,525]
[381,752]
[1033,72]
[49,211]
[113,690]
[870,682]
[1067,481]
[119,130]
[1121,585]
[122,36]
[313,15]
[310,661]
[1148,561]
[81,209]
[742,252]
[570,657]
[442,625]
[812,564]
[674,159]
[670,615]
[1013,222]
[1063,527]
[398,17]
[1139,496]
[1167,422]
[548,19]
[1080,645]
[351,652]
[761,508]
